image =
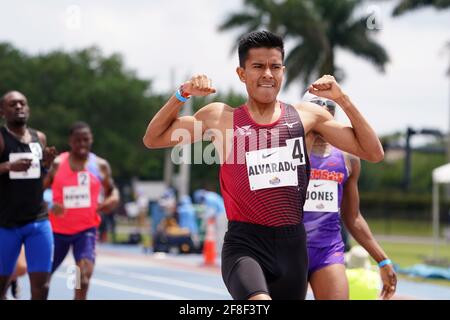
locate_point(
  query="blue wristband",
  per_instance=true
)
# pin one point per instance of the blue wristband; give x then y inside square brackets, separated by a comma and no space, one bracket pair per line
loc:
[180,97]
[384,262]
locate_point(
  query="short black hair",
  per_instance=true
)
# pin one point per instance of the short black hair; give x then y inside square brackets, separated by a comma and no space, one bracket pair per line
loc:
[3,97]
[78,125]
[259,39]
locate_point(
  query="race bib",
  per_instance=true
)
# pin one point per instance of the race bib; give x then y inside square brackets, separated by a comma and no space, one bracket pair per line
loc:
[36,149]
[76,197]
[34,172]
[275,167]
[84,179]
[322,196]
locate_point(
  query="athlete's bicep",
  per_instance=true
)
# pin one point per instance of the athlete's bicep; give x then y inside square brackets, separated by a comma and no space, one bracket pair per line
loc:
[318,121]
[183,130]
[339,135]
[190,129]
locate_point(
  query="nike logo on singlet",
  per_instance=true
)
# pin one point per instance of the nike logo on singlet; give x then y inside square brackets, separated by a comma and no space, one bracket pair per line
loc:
[317,185]
[265,156]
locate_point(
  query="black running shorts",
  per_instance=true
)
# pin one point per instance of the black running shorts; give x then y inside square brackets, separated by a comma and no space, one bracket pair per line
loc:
[259,259]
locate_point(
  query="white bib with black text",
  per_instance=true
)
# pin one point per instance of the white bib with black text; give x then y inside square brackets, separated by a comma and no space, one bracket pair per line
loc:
[34,172]
[322,196]
[76,197]
[275,167]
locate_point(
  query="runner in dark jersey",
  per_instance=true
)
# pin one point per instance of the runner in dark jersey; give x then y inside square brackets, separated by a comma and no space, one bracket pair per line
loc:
[264,174]
[332,194]
[24,158]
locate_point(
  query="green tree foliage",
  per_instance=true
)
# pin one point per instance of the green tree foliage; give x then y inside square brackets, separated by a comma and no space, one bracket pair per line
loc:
[63,87]
[388,176]
[317,28]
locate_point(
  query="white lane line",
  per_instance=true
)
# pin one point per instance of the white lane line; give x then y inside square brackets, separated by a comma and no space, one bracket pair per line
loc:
[164,280]
[145,292]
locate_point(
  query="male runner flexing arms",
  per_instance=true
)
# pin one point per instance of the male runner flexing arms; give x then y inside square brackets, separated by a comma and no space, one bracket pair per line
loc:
[264,165]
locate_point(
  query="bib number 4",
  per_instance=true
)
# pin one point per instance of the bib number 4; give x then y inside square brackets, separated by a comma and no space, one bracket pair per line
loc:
[275,167]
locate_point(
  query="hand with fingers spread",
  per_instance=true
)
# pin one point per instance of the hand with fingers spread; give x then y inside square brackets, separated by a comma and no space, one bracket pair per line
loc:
[326,87]
[198,86]
[389,278]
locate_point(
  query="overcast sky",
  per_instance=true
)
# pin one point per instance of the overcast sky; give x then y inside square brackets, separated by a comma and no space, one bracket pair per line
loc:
[157,36]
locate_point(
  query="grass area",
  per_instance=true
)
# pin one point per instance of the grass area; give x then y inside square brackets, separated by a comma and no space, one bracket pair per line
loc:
[402,227]
[124,237]
[409,254]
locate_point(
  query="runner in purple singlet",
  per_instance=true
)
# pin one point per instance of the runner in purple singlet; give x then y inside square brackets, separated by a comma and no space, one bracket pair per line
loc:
[332,192]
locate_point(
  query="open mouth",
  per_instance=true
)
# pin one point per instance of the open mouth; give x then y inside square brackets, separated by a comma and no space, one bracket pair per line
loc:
[267,85]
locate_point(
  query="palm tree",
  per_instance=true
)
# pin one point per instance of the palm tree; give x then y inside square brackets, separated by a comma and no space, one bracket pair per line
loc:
[408,5]
[318,28]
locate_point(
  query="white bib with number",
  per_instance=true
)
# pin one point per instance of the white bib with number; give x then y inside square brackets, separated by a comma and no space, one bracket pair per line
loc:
[322,196]
[275,167]
[36,149]
[79,196]
[76,197]
[34,172]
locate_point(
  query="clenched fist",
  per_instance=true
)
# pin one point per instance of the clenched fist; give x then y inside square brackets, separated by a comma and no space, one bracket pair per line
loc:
[198,86]
[326,87]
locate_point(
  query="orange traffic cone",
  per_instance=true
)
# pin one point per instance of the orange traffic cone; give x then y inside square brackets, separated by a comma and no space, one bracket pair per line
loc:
[209,245]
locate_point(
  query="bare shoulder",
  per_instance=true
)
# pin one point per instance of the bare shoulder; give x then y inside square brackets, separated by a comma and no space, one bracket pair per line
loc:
[215,114]
[103,163]
[42,137]
[216,110]
[105,167]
